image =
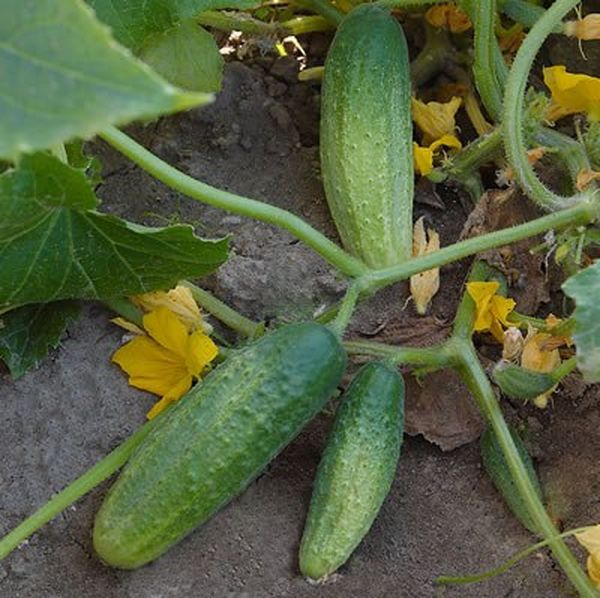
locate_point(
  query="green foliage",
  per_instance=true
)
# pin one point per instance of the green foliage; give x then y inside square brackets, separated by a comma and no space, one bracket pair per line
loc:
[134,22]
[27,333]
[69,79]
[187,56]
[521,383]
[53,245]
[583,288]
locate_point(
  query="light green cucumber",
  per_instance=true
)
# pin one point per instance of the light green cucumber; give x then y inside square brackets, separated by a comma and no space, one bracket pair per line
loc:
[216,440]
[520,383]
[366,137]
[356,471]
[497,468]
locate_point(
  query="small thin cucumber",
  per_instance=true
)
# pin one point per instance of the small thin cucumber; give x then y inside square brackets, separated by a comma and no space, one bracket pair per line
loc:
[497,468]
[216,440]
[356,471]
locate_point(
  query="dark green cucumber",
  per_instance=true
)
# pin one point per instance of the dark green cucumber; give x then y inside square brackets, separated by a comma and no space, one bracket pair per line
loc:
[356,471]
[520,383]
[366,137]
[216,440]
[496,467]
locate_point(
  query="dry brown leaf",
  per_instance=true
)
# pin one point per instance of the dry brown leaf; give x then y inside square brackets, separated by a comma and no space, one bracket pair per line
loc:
[442,410]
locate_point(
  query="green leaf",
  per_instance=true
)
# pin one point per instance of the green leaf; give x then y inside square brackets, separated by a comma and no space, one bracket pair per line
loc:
[54,246]
[63,76]
[29,332]
[187,56]
[583,288]
[133,22]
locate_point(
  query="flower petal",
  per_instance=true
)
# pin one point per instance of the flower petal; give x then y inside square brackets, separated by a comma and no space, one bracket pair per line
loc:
[174,394]
[572,92]
[482,293]
[201,351]
[150,366]
[435,119]
[166,329]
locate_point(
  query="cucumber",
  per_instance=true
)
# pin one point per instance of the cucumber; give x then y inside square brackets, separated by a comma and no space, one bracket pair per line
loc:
[496,467]
[366,137]
[216,440]
[356,471]
[520,383]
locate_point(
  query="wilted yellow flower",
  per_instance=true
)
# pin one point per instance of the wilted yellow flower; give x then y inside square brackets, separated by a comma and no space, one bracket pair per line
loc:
[425,285]
[423,156]
[491,310]
[166,360]
[435,119]
[512,345]
[572,93]
[590,540]
[178,300]
[585,177]
[448,16]
[584,29]
[539,357]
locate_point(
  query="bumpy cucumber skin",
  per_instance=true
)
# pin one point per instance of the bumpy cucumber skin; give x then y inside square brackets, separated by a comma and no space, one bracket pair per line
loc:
[356,471]
[497,468]
[366,137]
[216,440]
[521,383]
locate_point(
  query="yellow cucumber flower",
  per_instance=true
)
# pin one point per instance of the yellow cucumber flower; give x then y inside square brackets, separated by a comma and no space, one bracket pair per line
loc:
[586,177]
[435,119]
[572,93]
[178,300]
[448,16]
[423,156]
[425,285]
[540,357]
[491,310]
[590,540]
[584,29]
[167,360]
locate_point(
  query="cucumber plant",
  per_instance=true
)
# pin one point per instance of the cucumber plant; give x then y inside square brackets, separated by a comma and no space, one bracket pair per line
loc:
[73,78]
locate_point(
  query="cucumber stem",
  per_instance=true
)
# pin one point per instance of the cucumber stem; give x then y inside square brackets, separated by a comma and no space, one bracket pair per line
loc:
[345,310]
[513,560]
[470,370]
[236,204]
[75,490]
[514,107]
[224,313]
[437,356]
[581,213]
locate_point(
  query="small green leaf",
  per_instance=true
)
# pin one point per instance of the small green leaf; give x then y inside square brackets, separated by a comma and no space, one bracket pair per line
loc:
[133,22]
[187,56]
[63,76]
[28,333]
[583,288]
[54,246]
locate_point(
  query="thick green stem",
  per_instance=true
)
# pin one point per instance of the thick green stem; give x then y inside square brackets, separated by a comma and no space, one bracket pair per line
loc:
[244,206]
[522,12]
[437,356]
[346,309]
[473,375]
[323,8]
[434,56]
[407,3]
[224,313]
[514,109]
[307,24]
[124,307]
[228,21]
[74,491]
[582,213]
[485,66]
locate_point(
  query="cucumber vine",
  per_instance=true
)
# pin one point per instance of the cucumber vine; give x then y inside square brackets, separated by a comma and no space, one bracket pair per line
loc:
[503,94]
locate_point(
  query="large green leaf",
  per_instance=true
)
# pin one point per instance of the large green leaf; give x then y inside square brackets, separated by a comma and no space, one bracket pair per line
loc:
[53,245]
[62,76]
[584,288]
[187,56]
[27,333]
[133,22]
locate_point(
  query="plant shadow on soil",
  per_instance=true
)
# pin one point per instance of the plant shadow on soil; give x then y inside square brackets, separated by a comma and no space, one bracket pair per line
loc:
[442,516]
